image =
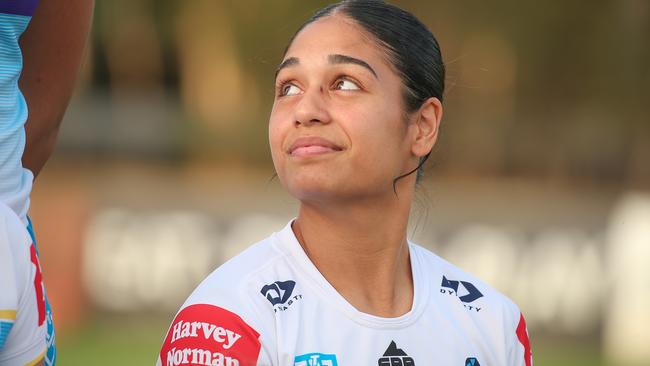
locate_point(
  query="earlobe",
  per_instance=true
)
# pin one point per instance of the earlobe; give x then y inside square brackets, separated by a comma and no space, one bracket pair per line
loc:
[427,123]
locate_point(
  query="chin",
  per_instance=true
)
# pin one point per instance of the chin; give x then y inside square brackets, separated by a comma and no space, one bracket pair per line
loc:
[311,188]
[324,192]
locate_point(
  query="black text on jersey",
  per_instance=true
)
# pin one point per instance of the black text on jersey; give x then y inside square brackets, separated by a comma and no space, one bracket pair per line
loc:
[395,357]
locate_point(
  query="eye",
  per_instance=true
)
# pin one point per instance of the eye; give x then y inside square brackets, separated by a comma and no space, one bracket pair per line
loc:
[345,84]
[289,90]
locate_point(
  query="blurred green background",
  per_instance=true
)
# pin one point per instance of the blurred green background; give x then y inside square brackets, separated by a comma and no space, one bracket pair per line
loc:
[544,152]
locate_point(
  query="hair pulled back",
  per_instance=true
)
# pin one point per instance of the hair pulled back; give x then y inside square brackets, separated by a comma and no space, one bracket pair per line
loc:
[410,47]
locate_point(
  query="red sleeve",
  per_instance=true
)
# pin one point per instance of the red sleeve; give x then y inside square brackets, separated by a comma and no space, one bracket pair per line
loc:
[205,334]
[522,335]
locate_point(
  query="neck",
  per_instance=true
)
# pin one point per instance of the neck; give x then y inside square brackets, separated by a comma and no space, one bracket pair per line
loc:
[361,249]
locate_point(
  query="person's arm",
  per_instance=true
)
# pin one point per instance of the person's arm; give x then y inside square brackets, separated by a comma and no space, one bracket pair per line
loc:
[52,48]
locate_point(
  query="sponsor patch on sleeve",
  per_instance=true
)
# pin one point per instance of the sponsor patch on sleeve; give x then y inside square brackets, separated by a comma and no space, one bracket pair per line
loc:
[205,334]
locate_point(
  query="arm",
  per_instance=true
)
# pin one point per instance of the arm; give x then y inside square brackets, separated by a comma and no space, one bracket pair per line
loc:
[52,49]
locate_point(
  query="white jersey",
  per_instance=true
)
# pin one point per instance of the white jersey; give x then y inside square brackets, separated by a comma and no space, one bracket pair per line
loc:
[22,303]
[271,306]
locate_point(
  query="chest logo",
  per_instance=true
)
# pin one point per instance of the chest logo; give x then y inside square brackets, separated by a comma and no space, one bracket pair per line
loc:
[280,294]
[315,359]
[466,292]
[395,357]
[472,361]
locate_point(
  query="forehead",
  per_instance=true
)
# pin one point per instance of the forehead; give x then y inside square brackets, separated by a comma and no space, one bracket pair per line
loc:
[337,34]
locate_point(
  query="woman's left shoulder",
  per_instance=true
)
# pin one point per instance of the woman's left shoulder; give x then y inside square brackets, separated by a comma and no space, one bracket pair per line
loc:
[474,294]
[463,296]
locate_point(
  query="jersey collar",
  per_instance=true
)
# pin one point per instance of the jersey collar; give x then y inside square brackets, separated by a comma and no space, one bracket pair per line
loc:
[286,241]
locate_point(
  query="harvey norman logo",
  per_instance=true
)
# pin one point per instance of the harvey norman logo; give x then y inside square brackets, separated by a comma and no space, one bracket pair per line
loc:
[197,356]
[205,334]
[206,330]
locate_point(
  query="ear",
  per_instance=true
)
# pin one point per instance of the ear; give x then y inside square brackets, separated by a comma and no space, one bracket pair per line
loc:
[426,124]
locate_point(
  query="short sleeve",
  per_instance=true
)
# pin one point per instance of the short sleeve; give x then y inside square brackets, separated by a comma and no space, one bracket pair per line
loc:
[520,353]
[206,334]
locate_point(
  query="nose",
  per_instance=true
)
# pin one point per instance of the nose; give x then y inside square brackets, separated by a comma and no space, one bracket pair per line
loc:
[312,108]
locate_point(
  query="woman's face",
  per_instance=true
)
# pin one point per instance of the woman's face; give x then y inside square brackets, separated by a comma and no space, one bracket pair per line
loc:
[337,129]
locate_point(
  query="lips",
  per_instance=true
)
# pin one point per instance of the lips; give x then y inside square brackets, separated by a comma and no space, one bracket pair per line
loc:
[310,146]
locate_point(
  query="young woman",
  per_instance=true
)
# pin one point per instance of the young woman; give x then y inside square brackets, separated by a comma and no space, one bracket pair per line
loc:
[356,113]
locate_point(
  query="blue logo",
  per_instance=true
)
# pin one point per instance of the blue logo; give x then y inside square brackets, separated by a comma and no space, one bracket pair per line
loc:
[472,293]
[466,292]
[315,359]
[472,361]
[278,292]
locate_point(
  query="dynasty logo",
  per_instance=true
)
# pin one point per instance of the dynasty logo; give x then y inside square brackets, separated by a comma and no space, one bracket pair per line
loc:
[465,291]
[395,357]
[279,294]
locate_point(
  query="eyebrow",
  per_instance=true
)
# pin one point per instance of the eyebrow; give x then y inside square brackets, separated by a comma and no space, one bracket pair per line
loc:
[343,59]
[333,59]
[291,61]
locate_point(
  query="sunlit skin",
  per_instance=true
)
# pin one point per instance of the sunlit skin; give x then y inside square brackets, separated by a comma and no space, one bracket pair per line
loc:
[339,136]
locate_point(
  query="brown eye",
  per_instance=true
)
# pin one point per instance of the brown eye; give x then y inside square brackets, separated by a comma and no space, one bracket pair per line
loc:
[345,84]
[289,90]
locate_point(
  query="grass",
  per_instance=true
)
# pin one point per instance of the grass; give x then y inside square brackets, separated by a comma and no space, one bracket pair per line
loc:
[112,342]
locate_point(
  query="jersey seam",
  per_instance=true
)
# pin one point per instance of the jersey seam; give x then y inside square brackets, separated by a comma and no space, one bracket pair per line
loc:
[279,255]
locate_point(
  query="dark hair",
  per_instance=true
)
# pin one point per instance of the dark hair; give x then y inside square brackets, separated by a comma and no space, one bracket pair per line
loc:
[411,48]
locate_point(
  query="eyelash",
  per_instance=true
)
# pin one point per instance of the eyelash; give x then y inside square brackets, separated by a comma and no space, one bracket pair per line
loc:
[281,84]
[347,78]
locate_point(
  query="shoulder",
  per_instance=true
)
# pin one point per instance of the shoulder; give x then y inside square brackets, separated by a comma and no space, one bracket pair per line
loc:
[467,290]
[225,317]
[229,285]
[477,308]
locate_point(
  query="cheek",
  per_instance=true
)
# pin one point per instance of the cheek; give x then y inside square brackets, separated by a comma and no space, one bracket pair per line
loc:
[378,154]
[379,137]
[277,133]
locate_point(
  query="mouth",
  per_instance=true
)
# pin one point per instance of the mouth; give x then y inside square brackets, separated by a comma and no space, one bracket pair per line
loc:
[312,146]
